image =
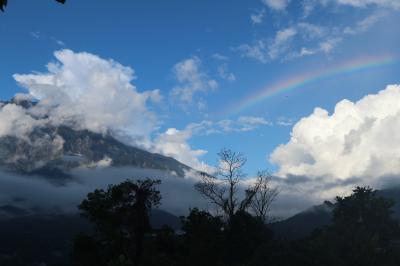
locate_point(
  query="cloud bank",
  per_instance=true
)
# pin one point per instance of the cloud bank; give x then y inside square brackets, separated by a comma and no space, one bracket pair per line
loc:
[37,195]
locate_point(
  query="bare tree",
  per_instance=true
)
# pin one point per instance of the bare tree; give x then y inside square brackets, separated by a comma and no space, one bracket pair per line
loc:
[222,188]
[264,197]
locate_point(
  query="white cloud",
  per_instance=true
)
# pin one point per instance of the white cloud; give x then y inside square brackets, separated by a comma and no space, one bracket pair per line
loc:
[256,50]
[85,91]
[357,140]
[308,7]
[192,79]
[280,42]
[15,121]
[224,73]
[242,124]
[174,143]
[365,24]
[311,31]
[88,92]
[253,121]
[328,45]
[300,38]
[285,122]
[265,51]
[36,34]
[364,3]
[258,17]
[220,57]
[277,5]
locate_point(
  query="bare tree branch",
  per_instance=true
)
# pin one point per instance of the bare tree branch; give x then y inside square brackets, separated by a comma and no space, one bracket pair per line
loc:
[222,189]
[264,196]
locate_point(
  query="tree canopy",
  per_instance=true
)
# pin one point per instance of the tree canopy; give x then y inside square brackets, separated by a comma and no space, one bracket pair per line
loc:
[121,218]
[3,3]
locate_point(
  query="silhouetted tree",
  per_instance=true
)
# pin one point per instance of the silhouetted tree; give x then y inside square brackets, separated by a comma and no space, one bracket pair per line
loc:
[203,239]
[363,226]
[264,197]
[3,3]
[222,189]
[121,218]
[244,236]
[361,233]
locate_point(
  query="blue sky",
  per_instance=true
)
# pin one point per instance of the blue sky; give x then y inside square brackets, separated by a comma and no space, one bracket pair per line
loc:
[204,56]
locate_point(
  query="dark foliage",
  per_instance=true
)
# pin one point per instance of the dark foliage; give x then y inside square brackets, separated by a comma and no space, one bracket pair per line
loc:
[3,3]
[121,218]
[363,232]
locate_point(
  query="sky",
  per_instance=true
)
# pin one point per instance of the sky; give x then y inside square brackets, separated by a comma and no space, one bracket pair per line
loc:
[305,89]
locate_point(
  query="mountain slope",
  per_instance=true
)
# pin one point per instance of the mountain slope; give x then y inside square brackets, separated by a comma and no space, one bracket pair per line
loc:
[55,150]
[304,223]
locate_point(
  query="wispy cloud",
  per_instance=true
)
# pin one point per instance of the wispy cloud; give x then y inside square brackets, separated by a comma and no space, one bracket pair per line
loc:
[266,50]
[364,24]
[40,35]
[300,37]
[277,5]
[258,17]
[395,4]
[224,73]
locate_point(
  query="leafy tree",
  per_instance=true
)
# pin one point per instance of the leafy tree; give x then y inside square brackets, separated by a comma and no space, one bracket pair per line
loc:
[222,189]
[203,238]
[121,218]
[3,3]
[244,236]
[362,230]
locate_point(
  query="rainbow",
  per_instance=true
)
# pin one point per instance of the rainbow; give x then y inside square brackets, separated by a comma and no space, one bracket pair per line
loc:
[288,84]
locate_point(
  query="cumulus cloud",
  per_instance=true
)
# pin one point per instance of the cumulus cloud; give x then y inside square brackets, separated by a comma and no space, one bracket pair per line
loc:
[277,5]
[174,143]
[359,139]
[85,91]
[88,92]
[192,79]
[15,121]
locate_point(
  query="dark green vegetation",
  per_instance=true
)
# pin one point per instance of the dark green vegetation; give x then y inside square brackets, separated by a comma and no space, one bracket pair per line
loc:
[3,3]
[363,232]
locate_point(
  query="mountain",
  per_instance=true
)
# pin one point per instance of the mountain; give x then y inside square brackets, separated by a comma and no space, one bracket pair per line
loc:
[54,150]
[304,223]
